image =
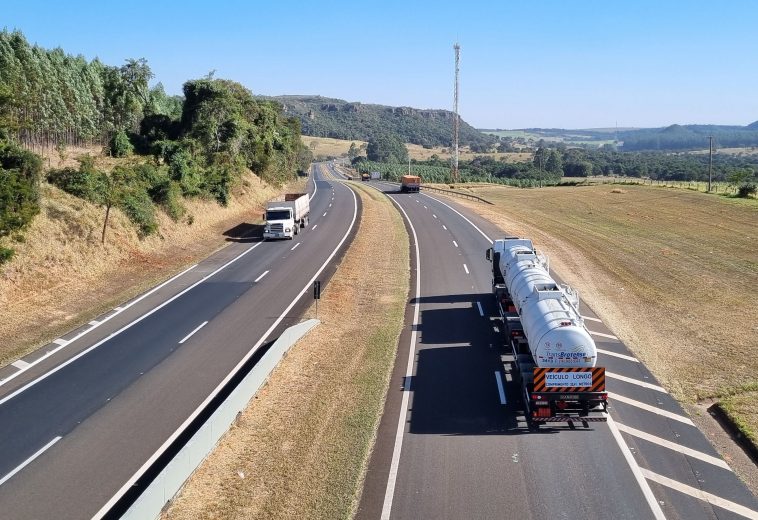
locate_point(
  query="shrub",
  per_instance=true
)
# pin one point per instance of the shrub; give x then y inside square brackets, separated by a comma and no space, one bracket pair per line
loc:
[6,254]
[120,145]
[747,190]
[138,207]
[19,188]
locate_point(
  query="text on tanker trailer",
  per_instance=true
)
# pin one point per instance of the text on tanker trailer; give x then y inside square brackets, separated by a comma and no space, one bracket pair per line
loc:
[553,351]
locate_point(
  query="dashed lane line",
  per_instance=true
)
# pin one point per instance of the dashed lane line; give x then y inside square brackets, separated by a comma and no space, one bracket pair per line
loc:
[188,336]
[616,354]
[660,441]
[455,243]
[600,334]
[295,246]
[261,276]
[465,268]
[637,382]
[650,408]
[700,494]
[28,461]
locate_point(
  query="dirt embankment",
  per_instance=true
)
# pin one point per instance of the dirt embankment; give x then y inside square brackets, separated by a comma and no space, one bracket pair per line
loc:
[300,448]
[62,275]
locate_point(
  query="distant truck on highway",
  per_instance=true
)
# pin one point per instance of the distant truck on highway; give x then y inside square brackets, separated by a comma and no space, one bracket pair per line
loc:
[365,176]
[410,183]
[285,219]
[554,354]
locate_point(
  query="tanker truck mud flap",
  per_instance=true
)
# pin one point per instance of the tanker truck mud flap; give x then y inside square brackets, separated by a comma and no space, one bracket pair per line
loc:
[567,395]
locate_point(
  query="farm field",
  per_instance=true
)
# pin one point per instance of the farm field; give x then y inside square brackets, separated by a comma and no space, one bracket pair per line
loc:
[671,271]
[328,147]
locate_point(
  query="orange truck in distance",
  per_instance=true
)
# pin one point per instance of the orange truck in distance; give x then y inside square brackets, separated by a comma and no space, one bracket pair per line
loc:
[410,183]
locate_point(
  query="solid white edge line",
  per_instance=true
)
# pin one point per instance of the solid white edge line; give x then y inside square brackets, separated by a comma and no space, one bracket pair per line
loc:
[500,390]
[28,461]
[261,277]
[609,336]
[462,216]
[129,483]
[592,319]
[650,408]
[465,268]
[188,336]
[315,184]
[637,382]
[119,331]
[389,493]
[481,311]
[655,507]
[660,441]
[295,246]
[616,354]
[87,331]
[700,494]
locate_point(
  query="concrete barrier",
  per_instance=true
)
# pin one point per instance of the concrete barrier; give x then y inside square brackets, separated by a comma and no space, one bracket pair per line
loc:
[175,474]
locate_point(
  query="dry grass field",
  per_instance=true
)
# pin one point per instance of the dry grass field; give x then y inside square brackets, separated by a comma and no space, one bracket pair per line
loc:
[300,448]
[672,272]
[328,147]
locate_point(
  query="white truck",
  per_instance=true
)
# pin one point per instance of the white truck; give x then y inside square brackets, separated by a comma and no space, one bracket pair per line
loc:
[553,352]
[285,219]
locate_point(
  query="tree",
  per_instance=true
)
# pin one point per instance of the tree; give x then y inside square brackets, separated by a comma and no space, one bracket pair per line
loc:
[554,163]
[386,148]
[353,152]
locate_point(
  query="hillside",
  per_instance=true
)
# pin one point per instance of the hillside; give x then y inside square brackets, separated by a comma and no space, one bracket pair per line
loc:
[340,119]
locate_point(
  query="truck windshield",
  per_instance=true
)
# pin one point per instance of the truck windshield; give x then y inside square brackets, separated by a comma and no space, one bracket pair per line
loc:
[281,214]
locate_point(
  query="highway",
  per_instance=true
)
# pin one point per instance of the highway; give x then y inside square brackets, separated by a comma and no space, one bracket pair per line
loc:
[453,442]
[82,419]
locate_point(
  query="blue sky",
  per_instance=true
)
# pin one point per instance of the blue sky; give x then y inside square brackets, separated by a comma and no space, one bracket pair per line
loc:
[551,63]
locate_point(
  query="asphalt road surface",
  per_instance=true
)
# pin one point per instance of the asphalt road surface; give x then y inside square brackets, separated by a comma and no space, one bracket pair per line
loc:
[80,418]
[453,442]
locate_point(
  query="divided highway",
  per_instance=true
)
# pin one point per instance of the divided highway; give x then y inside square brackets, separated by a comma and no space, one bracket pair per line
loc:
[83,418]
[453,442]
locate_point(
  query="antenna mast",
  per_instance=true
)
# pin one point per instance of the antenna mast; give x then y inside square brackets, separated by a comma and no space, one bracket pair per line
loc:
[456,122]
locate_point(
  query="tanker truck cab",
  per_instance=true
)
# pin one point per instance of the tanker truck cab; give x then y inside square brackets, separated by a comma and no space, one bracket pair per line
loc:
[554,355]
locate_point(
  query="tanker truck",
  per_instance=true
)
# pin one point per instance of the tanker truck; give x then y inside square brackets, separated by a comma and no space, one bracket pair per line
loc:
[554,355]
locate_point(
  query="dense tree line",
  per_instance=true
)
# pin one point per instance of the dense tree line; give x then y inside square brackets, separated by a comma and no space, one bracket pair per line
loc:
[339,119]
[689,137]
[48,97]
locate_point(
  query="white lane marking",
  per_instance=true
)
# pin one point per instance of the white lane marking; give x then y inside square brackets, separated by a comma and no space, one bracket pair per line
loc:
[650,408]
[655,507]
[425,207]
[463,217]
[637,382]
[500,390]
[122,329]
[700,494]
[129,483]
[609,336]
[261,277]
[62,342]
[315,184]
[592,319]
[465,268]
[81,334]
[314,227]
[94,323]
[616,354]
[418,201]
[435,216]
[481,311]
[21,364]
[118,309]
[444,227]
[660,441]
[295,246]
[188,336]
[330,204]
[28,461]
[325,212]
[455,243]
[389,494]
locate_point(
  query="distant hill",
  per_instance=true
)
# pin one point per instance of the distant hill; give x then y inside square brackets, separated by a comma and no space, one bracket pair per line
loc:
[340,119]
[689,137]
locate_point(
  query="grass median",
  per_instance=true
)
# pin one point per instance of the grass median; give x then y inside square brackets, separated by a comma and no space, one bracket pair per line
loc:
[301,447]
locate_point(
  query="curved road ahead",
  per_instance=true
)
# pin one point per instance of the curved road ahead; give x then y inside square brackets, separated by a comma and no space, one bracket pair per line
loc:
[453,442]
[77,425]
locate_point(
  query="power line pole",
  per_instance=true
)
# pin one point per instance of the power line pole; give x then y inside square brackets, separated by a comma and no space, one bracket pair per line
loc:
[456,122]
[710,161]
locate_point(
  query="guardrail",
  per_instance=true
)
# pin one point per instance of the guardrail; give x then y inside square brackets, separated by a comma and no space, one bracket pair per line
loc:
[168,483]
[458,193]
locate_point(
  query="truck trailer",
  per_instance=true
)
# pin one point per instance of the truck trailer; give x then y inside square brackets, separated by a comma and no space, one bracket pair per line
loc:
[285,219]
[410,183]
[553,353]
